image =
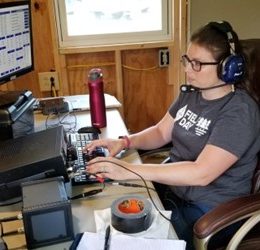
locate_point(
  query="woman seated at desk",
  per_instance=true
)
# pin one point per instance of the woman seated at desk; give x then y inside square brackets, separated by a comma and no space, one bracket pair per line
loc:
[214,126]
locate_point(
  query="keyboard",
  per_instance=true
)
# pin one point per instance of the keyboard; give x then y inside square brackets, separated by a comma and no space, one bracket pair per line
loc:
[77,159]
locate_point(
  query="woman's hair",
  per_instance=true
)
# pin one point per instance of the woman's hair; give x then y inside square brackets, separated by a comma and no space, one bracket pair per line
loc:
[215,39]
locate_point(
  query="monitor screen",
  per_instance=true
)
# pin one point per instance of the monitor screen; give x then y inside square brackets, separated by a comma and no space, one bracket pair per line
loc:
[16,54]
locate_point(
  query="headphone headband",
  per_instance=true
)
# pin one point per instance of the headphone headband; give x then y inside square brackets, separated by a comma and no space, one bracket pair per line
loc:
[232,68]
[226,28]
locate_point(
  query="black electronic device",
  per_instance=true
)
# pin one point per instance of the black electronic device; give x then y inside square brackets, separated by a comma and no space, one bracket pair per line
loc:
[53,105]
[36,156]
[47,215]
[78,159]
[91,130]
[232,68]
[16,49]
[16,114]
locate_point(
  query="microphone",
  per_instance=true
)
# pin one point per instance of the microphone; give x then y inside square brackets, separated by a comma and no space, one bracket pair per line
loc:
[186,88]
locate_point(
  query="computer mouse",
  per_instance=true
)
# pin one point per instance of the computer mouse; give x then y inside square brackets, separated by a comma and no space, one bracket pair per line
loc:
[89,130]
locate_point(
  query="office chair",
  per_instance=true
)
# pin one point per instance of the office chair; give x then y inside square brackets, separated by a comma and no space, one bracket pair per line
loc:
[245,209]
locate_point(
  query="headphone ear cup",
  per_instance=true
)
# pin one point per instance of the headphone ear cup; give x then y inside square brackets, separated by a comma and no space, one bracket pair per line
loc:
[231,69]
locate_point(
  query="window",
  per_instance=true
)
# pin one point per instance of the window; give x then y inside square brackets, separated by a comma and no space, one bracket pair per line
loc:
[103,22]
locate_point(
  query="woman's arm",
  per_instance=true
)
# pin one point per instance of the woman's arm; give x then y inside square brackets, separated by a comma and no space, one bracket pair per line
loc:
[155,136]
[211,163]
[150,138]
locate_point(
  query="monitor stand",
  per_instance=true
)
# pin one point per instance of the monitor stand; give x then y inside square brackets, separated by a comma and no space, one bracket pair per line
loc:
[8,98]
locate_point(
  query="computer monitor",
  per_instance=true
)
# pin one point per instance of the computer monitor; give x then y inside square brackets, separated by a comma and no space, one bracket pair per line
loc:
[16,51]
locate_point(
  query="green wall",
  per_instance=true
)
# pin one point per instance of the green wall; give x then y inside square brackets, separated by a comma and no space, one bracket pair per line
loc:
[244,15]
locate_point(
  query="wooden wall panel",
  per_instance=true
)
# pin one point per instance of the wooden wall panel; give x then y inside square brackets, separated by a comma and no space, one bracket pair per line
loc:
[146,94]
[145,91]
[78,66]
[42,50]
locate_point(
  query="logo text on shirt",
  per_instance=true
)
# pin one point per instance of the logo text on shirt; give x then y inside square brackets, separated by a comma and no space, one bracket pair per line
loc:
[188,119]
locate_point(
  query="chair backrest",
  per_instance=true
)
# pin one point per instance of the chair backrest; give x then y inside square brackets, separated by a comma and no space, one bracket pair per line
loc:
[256,178]
[251,49]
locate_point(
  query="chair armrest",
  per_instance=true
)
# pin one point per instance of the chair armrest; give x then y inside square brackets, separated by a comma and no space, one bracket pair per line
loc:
[226,214]
[156,155]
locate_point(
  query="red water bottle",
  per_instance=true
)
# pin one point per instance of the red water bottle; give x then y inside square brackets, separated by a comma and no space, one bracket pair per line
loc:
[97,98]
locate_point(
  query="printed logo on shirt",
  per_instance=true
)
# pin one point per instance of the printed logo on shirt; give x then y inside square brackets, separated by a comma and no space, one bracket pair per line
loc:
[187,119]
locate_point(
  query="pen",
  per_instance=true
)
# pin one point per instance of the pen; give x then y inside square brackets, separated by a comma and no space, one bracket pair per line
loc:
[107,237]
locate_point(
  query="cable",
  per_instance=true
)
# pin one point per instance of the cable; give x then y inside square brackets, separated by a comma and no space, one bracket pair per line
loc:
[72,124]
[126,184]
[6,203]
[93,65]
[145,185]
[153,68]
[53,90]
[61,121]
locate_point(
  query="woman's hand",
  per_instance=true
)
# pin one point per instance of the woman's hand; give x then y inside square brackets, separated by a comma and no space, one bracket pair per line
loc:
[112,168]
[114,146]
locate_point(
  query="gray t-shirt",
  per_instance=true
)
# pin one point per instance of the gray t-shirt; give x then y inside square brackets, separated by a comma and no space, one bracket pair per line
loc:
[232,123]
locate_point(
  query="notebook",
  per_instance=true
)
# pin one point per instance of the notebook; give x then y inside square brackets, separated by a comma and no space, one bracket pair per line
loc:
[95,241]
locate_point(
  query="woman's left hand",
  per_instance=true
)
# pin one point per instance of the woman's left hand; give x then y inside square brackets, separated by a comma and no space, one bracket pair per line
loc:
[109,167]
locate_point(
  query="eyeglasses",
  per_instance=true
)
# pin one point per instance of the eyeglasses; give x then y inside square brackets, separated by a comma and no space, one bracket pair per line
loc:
[195,64]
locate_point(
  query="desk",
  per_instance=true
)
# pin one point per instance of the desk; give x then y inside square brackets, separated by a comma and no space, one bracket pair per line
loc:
[83,209]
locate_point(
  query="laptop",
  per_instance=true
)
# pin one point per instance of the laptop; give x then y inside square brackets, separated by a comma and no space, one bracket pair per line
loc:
[81,102]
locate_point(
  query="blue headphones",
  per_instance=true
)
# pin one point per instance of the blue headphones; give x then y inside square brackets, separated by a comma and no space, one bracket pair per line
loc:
[232,68]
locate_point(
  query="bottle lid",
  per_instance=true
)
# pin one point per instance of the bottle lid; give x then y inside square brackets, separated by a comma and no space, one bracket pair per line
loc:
[95,74]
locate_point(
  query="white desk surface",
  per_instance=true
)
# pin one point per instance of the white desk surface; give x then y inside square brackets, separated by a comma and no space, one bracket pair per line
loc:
[83,209]
[81,102]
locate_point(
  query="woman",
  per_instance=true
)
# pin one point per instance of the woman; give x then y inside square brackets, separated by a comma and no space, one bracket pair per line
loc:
[214,127]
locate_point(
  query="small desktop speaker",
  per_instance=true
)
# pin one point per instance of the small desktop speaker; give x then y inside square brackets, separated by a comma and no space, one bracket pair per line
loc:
[47,215]
[53,105]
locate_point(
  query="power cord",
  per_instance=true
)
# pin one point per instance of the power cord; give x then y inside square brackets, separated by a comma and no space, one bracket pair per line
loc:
[145,185]
[101,180]
[61,120]
[53,89]
[4,204]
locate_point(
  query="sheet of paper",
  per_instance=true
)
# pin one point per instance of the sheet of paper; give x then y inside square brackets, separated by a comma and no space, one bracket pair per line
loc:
[81,102]
[95,241]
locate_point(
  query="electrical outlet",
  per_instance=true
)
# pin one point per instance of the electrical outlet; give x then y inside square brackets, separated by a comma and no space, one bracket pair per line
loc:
[164,57]
[46,78]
